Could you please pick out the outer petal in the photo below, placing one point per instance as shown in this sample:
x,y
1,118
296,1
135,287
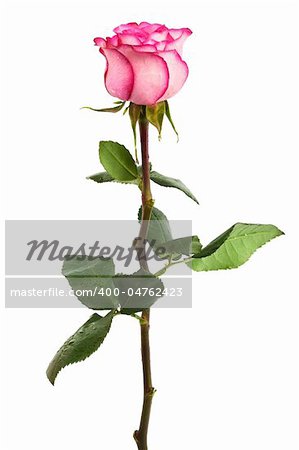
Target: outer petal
x,y
178,73
112,41
149,48
129,39
151,75
179,37
144,24
100,42
119,76
151,42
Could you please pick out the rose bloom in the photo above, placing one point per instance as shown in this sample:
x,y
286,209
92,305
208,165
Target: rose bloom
x,y
144,62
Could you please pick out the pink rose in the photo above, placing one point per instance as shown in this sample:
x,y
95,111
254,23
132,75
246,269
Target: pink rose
x,y
144,62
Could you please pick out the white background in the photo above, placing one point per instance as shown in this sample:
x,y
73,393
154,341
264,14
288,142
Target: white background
x,y
226,370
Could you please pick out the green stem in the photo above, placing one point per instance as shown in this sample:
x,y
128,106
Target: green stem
x,y
170,264
140,435
147,200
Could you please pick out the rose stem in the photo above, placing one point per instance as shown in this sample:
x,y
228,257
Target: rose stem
x,y
140,435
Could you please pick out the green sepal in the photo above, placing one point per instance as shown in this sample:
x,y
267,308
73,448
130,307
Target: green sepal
x,y
168,115
126,110
155,114
85,341
114,109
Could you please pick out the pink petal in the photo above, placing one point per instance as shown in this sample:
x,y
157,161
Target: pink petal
x,y
151,42
178,73
125,26
119,76
139,33
169,38
175,33
151,75
129,39
112,41
100,42
159,35
149,27
179,38
161,29
146,48
161,45
143,24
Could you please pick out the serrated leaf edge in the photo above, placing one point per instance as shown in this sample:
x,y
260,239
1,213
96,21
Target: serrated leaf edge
x,y
279,233
48,372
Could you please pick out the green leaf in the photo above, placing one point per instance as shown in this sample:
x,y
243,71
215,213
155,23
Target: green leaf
x,y
85,341
101,177
118,161
234,247
114,109
168,115
104,177
162,180
155,115
182,246
144,290
158,228
134,113
160,238
90,278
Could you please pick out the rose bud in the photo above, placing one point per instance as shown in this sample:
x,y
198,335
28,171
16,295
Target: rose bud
x,y
144,62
